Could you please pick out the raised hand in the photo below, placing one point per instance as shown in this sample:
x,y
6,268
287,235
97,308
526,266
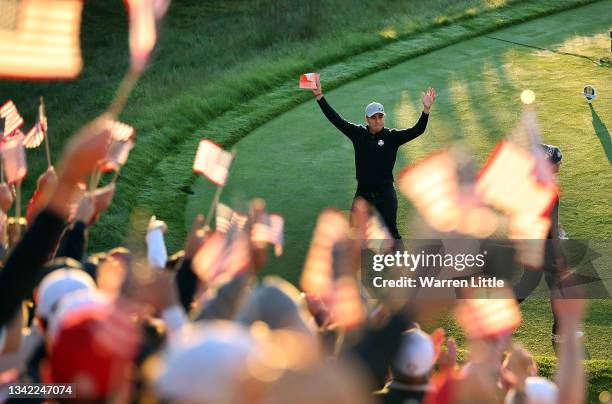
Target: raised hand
x,y
429,98
318,92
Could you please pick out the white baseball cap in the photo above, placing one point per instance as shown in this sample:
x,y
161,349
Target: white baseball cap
x,y
213,354
58,283
538,390
80,299
374,108
416,355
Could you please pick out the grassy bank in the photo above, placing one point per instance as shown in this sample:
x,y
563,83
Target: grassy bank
x,y
217,55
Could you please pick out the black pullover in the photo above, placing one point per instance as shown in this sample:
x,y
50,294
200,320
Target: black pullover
x,y
374,154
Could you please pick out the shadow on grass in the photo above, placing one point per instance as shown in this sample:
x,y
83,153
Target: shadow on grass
x,y
602,132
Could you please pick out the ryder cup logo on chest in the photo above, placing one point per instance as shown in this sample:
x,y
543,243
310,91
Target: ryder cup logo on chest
x,y
381,142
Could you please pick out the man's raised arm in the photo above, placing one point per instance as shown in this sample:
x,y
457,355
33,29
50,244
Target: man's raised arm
x,y
349,129
405,135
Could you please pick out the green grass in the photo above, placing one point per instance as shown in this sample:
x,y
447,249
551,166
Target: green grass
x,y
299,163
225,68
217,55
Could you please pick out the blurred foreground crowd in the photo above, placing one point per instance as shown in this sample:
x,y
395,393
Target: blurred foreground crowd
x,y
200,327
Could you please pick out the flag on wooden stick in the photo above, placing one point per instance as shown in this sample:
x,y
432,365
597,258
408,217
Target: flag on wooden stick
x,y
122,132
227,218
13,158
508,182
39,39
36,135
10,118
117,156
212,161
269,229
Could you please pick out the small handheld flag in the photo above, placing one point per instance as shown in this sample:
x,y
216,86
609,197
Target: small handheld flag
x,y
309,80
212,161
122,132
269,230
39,39
36,135
11,118
13,158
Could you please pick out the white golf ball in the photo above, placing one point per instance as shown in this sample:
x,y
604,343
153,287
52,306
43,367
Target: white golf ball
x,y
528,97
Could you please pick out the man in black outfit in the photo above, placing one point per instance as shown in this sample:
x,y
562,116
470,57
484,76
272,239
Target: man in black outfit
x,y
375,152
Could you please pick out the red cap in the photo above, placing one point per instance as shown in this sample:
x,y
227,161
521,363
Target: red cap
x,y
95,349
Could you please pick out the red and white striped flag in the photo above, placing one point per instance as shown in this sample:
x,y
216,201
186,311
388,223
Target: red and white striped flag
x,y
494,314
122,132
37,134
309,80
227,217
117,156
508,182
221,258
13,158
212,161
39,39
432,186
11,118
269,230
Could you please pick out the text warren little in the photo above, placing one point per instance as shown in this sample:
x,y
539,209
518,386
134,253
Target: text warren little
x,y
432,282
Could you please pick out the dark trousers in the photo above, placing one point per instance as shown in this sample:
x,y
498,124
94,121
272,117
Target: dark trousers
x,y
384,199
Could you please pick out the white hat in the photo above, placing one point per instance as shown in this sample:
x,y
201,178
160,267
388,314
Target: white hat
x,y
416,354
58,283
206,363
81,299
538,390
374,108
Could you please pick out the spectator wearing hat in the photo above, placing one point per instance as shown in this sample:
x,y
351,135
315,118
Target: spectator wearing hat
x,y
375,152
411,369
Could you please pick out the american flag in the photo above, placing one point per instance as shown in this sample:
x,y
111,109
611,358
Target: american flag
x,y
269,230
36,135
432,186
39,39
117,156
13,158
221,258
121,132
11,118
227,217
508,182
489,314
212,161
309,80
